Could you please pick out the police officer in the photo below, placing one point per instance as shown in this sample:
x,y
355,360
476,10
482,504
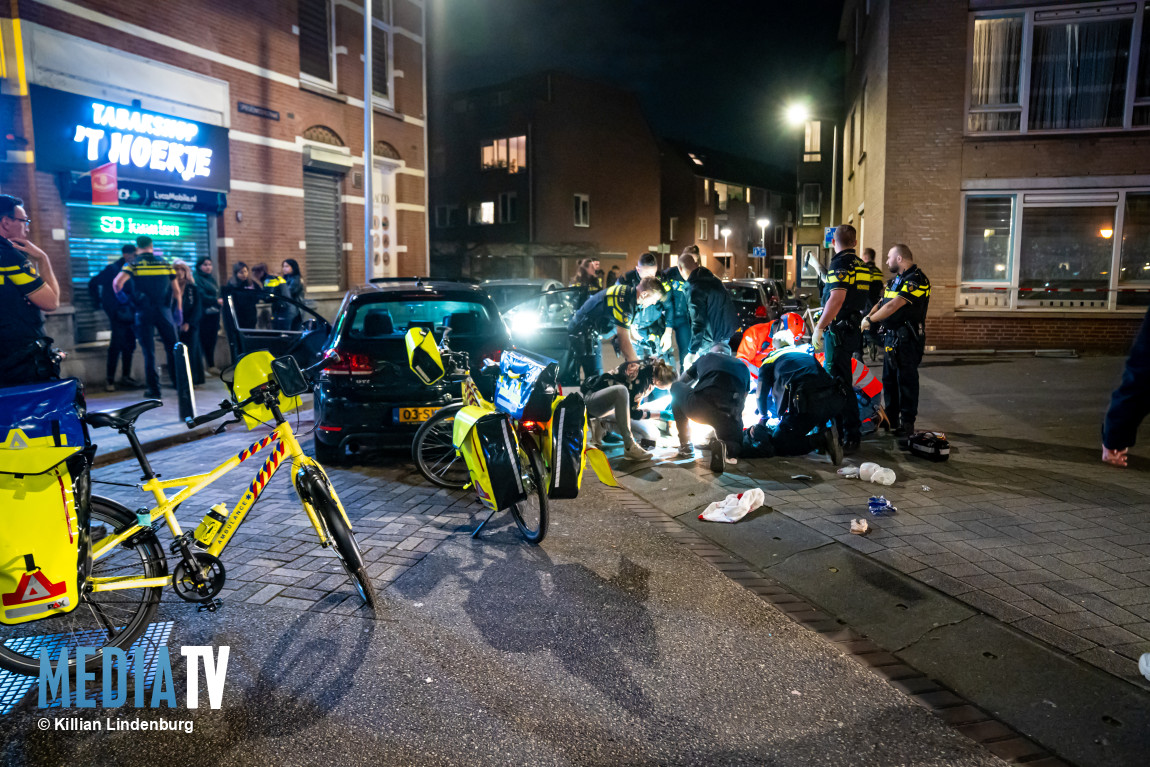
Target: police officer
x,y
679,305
651,331
120,319
27,287
902,314
607,310
844,302
1130,402
803,396
154,292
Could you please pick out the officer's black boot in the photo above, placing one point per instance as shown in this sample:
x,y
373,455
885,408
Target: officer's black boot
x,y
905,432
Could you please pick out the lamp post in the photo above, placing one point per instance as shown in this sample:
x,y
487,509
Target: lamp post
x,y
763,224
726,232
799,114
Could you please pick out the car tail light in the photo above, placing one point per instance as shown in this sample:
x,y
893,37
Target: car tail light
x,y
760,311
348,364
494,355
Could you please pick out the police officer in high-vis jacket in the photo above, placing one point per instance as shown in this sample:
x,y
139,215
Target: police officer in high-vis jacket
x,y
651,330
152,293
902,315
607,310
844,303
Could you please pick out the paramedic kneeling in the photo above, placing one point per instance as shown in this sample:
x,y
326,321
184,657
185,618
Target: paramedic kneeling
x,y
804,396
902,314
712,392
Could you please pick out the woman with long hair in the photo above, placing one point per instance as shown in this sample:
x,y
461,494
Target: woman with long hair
x,y
616,397
285,315
243,301
193,309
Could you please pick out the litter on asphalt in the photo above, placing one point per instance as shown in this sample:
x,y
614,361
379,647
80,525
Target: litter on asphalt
x,y
878,506
859,526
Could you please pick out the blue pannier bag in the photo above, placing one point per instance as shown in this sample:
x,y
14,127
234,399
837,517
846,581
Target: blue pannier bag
x,y
527,384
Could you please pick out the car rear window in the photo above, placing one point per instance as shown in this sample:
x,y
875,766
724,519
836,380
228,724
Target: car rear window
x,y
393,318
509,295
746,294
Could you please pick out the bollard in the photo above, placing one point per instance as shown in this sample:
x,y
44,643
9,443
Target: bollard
x,y
184,392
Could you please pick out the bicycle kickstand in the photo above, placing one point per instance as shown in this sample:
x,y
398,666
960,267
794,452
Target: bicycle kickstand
x,y
475,532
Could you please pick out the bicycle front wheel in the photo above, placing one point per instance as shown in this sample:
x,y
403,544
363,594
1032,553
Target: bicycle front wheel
x,y
530,514
103,618
434,452
346,547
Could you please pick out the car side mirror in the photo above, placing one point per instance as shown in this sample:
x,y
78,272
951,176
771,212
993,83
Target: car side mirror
x,y
423,355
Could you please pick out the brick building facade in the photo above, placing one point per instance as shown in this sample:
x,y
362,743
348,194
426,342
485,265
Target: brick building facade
x,y
705,192
1024,193
530,176
282,82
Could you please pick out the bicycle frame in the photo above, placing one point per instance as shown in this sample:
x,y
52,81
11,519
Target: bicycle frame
x,y
286,447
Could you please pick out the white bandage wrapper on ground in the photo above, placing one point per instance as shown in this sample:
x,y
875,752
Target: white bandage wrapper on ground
x,y
734,507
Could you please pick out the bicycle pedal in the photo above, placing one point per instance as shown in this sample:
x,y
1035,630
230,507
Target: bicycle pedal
x,y
211,606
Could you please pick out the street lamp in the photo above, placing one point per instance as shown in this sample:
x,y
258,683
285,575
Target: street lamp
x,y
799,114
726,232
763,224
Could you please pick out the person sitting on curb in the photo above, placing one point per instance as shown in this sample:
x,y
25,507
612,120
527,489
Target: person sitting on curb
x,y
636,380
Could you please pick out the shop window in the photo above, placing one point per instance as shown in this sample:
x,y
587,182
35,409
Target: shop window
x,y
323,230
315,33
504,153
582,210
1076,76
1065,247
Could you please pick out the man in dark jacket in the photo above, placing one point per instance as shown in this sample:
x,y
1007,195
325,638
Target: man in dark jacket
x,y
1130,402
713,316
679,306
712,392
611,309
120,318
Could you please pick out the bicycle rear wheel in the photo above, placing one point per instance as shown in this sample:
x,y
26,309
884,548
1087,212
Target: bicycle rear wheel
x,y
530,515
103,618
346,547
434,452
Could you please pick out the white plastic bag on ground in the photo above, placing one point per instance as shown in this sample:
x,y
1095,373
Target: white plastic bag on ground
x,y
734,507
883,476
867,470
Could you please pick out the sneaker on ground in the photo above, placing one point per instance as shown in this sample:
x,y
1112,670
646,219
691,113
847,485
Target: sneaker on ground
x,y
130,383
110,386
152,395
635,453
686,451
718,455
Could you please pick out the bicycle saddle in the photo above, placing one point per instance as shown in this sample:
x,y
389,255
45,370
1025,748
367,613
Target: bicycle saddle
x,y
121,418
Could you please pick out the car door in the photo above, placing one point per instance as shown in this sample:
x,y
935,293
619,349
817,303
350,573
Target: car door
x,y
539,324
303,344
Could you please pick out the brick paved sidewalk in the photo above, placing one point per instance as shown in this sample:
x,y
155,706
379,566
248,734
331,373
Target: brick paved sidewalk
x,y
275,557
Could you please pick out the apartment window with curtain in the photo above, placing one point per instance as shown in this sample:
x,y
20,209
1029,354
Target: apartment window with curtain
x,y
1086,249
702,233
812,205
381,52
1060,69
508,154
812,141
316,58
582,210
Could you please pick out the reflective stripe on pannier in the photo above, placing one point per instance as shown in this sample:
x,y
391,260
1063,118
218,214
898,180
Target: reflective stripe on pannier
x,y
490,448
567,446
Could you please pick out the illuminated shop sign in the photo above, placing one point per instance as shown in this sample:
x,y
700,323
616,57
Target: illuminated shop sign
x,y
78,133
122,225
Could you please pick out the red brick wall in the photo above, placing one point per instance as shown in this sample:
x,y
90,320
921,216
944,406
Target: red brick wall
x,y
257,32
1101,334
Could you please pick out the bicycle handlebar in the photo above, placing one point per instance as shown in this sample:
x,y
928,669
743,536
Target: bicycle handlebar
x,y
226,408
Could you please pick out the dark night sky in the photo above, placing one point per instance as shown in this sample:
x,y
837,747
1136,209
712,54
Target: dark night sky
x,y
716,74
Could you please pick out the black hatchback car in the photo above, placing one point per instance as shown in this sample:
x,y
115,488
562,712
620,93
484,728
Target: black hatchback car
x,y
367,394
762,300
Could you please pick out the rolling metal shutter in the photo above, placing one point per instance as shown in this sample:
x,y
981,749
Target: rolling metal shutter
x,y
94,242
323,230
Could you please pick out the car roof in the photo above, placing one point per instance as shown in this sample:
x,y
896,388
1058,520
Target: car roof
x,y
537,281
417,284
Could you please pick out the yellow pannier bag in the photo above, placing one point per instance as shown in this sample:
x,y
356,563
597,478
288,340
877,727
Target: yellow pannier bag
x,y
490,448
40,539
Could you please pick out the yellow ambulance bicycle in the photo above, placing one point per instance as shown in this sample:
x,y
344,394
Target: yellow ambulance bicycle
x,y
129,566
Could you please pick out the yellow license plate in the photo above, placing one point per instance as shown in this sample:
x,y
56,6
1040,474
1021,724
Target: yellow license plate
x,y
415,414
